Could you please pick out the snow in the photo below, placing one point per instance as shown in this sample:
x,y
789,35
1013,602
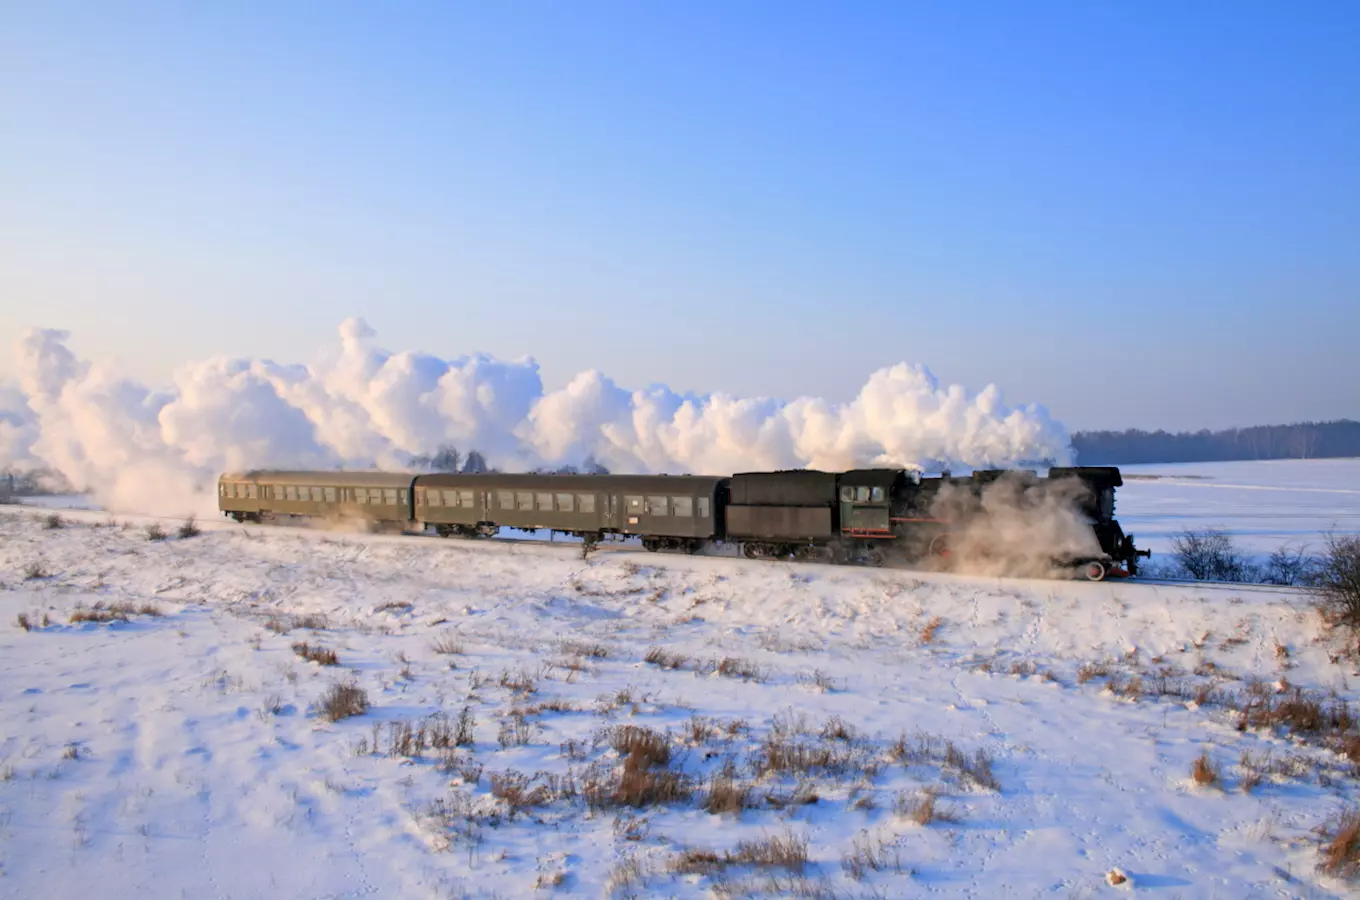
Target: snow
x,y
202,767
1264,504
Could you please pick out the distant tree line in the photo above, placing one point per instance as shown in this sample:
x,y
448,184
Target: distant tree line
x,y
449,459
1302,440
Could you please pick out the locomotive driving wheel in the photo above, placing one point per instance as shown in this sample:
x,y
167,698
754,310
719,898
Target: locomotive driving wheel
x,y
1094,570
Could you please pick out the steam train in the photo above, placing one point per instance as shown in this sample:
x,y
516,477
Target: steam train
x,y
866,516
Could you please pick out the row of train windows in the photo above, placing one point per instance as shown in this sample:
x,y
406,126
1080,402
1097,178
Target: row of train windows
x,y
303,493
545,501
654,505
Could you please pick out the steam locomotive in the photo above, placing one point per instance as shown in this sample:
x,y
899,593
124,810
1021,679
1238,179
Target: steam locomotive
x,y
866,516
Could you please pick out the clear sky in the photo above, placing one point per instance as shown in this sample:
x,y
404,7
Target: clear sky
x,y
1139,214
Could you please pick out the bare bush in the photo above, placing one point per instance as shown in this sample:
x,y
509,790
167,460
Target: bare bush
x,y
1209,556
22,621
465,729
154,532
36,570
515,731
1338,581
1290,567
343,701
52,522
322,656
732,667
188,529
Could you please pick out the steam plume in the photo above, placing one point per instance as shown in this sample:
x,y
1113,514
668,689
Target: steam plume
x,y
361,406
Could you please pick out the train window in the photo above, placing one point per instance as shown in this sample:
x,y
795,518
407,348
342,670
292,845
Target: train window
x,y
317,494
289,492
467,499
658,506
703,507
684,506
330,495
250,491
847,494
585,503
524,499
634,504
505,499
861,494
544,501
877,495
221,490
404,497
360,495
390,496
566,503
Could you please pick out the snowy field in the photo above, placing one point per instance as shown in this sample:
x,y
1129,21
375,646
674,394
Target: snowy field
x,y
1265,505
633,724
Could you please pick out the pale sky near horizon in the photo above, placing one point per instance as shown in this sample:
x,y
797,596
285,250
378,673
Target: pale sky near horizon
x,y
1135,214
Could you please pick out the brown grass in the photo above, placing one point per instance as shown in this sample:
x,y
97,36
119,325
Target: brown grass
x,y
586,649
21,620
787,851
732,667
1341,844
188,529
154,532
1090,670
343,701
51,522
322,656
726,794
101,613
651,747
928,632
36,570
515,731
1203,771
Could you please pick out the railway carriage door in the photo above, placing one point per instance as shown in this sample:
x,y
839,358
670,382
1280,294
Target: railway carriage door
x,y
847,506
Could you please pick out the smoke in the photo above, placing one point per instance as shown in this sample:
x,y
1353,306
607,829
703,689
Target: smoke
x,y
359,406
1016,526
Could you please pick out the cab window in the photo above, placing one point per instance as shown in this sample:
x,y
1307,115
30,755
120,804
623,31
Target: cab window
x,y
861,494
847,494
877,495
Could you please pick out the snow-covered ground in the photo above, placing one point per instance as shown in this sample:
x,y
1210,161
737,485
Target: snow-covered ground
x,y
1265,505
183,753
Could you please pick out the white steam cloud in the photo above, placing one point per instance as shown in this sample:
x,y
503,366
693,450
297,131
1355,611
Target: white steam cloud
x,y
148,451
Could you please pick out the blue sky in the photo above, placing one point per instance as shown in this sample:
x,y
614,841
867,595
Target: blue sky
x,y
1137,214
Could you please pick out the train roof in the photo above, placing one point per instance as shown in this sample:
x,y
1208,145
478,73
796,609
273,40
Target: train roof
x,y
361,478
531,481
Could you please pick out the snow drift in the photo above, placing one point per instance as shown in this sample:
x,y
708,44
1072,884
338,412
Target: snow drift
x,y
361,406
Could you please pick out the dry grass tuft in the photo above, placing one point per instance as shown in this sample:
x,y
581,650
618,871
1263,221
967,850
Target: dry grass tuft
x,y
311,622
928,632
1341,844
869,853
36,570
447,644
587,649
658,656
922,807
154,532
515,731
100,613
1203,771
519,682
318,654
343,701
72,751
22,621
188,529
817,679
726,794
732,667
52,522
650,746
465,729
